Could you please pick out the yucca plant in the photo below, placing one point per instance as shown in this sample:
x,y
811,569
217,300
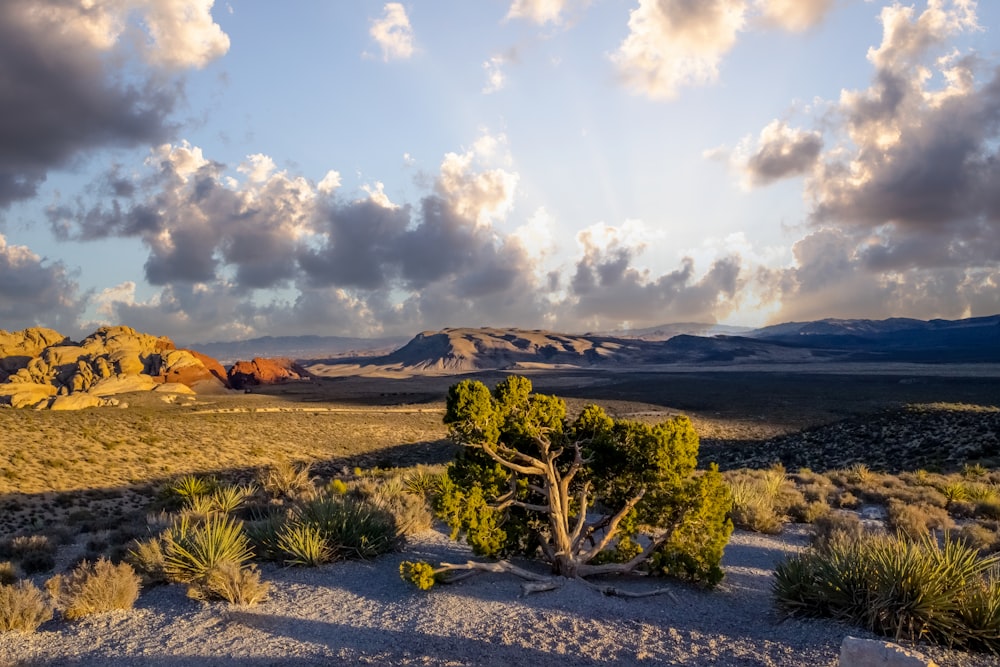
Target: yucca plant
x,y
304,544
355,528
229,498
954,491
189,486
192,549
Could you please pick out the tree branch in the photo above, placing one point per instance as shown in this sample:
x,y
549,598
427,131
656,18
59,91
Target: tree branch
x,y
510,465
613,526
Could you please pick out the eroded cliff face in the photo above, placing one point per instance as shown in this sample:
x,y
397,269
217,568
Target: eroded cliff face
x,y
39,368
247,374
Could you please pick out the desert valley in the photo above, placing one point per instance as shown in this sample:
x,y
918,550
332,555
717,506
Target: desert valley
x,y
850,417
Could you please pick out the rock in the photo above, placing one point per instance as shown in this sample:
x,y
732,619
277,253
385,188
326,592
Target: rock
x,y
192,369
855,652
173,388
76,402
121,384
17,348
26,394
245,374
213,366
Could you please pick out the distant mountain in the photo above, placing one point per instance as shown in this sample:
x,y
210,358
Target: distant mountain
x,y
974,339
296,347
668,331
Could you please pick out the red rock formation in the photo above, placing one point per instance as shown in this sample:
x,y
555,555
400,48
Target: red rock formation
x,y
213,366
245,374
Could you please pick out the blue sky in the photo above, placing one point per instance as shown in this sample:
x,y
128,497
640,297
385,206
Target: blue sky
x,y
226,170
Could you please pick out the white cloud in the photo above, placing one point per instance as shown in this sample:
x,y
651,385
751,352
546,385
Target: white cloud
x,y
495,77
677,43
538,11
486,195
393,33
795,15
182,32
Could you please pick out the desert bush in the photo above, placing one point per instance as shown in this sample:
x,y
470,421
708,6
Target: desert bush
x,y
988,509
94,588
419,574
228,498
233,583
353,528
8,573
34,553
186,488
916,590
147,557
22,607
977,537
754,506
263,532
410,510
808,512
287,480
192,550
974,471
915,521
835,528
303,544
337,487
527,478
423,481
847,500
979,492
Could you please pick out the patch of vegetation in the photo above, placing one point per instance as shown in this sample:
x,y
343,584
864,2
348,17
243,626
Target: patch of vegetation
x,y
22,607
900,588
592,496
94,588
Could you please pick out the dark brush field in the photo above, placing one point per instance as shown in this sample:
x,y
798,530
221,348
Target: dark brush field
x,y
99,469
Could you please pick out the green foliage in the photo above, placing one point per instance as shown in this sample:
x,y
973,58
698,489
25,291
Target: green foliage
x,y
230,497
518,485
192,550
304,544
22,607
190,486
94,588
916,590
420,574
353,528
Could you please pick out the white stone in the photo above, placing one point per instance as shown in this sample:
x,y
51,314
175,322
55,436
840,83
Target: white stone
x,y
855,652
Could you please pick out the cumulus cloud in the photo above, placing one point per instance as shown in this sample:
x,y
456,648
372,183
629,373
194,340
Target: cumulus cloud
x,y
676,43
495,77
393,32
53,57
905,211
795,15
673,44
34,292
779,152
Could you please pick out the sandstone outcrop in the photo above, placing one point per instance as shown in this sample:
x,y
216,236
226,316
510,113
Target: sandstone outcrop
x,y
38,366
246,374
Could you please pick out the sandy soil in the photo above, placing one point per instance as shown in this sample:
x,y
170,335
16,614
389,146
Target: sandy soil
x,y
363,613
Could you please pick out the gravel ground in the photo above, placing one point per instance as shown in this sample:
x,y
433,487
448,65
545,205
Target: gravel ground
x,y
363,613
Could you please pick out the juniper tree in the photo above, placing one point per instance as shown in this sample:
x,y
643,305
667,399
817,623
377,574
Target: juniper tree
x,y
591,496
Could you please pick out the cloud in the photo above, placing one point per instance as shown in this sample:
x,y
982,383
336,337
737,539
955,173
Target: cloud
x,y
540,11
675,43
54,57
34,292
495,77
393,33
795,15
779,152
905,213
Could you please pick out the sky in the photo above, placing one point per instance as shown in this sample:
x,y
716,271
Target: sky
x,y
225,170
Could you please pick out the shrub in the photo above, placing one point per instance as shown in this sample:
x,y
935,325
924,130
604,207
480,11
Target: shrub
x,y
917,521
809,512
528,481
287,480
420,574
410,510
187,487
303,544
753,506
192,550
836,528
8,573
977,537
354,528
147,557
94,588
898,588
229,498
34,553
22,607
236,585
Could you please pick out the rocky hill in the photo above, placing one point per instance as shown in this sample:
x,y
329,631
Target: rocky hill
x,y
41,368
258,371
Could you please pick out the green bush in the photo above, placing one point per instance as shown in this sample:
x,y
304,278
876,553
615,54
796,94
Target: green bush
x,y
22,607
303,544
94,588
915,590
527,479
353,528
192,550
420,574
